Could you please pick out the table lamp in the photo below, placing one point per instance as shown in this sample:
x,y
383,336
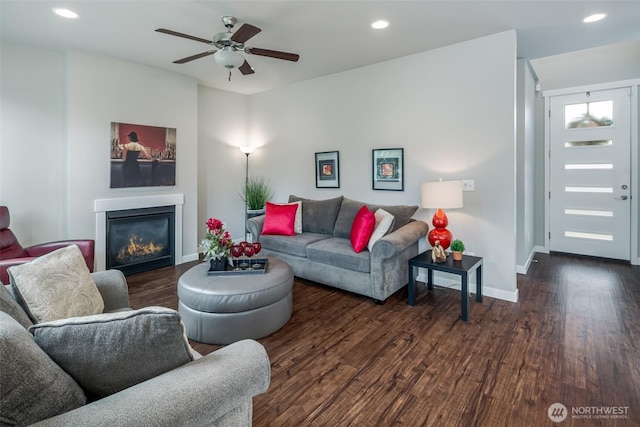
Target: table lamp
x,y
441,195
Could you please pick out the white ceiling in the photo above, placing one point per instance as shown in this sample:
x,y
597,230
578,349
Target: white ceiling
x,y
329,36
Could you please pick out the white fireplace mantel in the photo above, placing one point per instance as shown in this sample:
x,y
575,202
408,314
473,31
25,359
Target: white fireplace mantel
x,y
102,206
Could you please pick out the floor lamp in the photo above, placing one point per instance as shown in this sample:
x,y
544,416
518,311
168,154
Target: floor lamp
x,y
246,151
441,195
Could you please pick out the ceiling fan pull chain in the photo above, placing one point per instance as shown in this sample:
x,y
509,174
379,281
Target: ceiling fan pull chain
x,y
229,75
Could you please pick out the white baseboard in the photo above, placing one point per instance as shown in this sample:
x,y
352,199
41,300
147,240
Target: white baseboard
x,y
541,249
487,291
522,269
187,258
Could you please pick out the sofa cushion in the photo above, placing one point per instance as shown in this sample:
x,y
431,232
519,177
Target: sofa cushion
x,y
279,219
401,213
106,353
384,224
9,305
32,386
292,245
339,253
319,216
56,286
362,228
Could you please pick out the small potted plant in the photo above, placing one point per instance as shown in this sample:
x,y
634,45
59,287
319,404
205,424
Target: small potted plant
x,y
457,247
255,194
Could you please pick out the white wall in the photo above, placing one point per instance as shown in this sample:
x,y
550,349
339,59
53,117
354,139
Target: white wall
x,y
525,196
57,109
451,109
222,128
32,142
604,64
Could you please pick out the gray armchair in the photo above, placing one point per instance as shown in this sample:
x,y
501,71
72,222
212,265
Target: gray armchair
x,y
214,390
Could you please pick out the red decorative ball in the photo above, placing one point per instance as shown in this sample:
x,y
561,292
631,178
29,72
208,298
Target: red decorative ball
x,y
443,235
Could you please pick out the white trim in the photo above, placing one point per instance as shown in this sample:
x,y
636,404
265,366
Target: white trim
x,y
635,192
591,88
547,171
487,291
522,269
102,206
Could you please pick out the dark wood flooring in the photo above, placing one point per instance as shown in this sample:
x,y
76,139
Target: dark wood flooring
x,y
572,338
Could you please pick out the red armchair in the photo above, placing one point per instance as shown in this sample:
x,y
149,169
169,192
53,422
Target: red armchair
x,y
12,253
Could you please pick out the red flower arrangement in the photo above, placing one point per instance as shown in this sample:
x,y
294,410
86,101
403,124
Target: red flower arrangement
x,y
217,242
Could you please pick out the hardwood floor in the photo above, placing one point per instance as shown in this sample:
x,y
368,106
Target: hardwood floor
x,y
573,338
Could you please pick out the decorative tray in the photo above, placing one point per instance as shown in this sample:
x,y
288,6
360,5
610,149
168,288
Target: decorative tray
x,y
243,266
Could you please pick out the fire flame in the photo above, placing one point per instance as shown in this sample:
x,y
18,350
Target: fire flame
x,y
137,248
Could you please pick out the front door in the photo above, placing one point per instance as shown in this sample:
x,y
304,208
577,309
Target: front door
x,y
590,173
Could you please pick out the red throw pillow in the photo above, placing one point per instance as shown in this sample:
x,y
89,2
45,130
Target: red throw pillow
x,y
362,228
279,219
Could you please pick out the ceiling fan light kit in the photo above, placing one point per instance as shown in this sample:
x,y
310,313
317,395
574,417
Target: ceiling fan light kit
x,y
228,58
230,45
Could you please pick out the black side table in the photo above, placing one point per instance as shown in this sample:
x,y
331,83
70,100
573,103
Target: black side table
x,y
462,268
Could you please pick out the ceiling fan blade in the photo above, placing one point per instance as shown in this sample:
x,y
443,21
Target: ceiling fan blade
x,y
244,33
186,36
192,57
246,69
273,54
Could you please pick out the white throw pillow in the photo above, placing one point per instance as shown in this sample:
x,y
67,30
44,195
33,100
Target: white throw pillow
x,y
384,223
55,286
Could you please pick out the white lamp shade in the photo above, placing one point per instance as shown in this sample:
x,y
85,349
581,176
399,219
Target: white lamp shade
x,y
442,195
228,58
247,150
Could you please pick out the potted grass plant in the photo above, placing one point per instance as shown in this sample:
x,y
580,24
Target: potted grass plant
x,y
255,194
457,247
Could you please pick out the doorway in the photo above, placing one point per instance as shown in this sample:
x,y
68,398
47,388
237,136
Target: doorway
x,y
590,173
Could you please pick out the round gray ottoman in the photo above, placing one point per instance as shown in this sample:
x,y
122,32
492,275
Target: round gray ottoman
x,y
222,309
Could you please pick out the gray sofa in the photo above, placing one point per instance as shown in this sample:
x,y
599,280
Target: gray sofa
x,y
323,252
214,390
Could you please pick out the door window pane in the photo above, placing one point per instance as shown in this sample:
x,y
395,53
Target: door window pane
x,y
588,114
588,143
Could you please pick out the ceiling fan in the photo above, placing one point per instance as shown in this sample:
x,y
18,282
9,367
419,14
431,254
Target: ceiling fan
x,y
230,45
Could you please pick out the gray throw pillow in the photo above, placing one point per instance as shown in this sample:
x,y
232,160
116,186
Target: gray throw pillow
x,y
401,213
9,305
106,353
56,286
32,386
346,215
318,216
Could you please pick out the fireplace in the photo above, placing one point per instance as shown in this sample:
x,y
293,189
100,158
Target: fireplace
x,y
140,240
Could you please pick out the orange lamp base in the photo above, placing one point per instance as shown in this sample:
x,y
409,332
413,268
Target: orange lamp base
x,y
440,232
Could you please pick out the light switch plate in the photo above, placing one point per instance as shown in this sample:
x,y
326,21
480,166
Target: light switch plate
x,y
468,185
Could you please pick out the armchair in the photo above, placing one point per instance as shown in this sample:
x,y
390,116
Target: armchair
x,y
212,390
12,253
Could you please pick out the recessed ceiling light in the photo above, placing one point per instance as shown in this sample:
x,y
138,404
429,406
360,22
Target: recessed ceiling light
x,y
378,25
65,13
595,17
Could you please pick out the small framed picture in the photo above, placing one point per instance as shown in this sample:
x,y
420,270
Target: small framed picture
x,y
388,169
328,169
